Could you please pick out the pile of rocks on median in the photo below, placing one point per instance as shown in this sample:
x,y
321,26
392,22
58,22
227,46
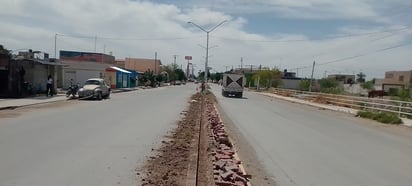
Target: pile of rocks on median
x,y
226,168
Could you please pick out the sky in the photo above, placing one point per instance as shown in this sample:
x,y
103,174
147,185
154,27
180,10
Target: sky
x,y
342,37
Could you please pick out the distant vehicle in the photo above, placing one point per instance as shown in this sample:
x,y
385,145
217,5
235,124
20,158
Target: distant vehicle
x,y
232,85
178,82
94,88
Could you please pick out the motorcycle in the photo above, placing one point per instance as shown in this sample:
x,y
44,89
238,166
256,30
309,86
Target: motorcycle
x,y
72,91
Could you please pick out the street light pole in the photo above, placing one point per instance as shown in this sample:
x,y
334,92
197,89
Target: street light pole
x,y
207,42
207,55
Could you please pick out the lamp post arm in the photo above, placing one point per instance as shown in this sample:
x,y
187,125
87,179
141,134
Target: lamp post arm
x,y
197,26
217,25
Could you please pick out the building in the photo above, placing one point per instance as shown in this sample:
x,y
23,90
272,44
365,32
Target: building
x,y
142,65
80,66
344,78
289,80
120,78
120,63
5,58
397,80
27,74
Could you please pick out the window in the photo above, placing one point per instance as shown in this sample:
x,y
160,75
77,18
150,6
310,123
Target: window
x,y
401,78
389,75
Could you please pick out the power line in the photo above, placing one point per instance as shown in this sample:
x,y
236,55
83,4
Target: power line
x,y
119,38
364,54
355,56
318,39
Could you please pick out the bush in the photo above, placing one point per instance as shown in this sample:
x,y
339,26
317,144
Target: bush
x,y
383,117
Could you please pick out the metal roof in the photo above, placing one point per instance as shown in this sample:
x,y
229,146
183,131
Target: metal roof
x,y
121,70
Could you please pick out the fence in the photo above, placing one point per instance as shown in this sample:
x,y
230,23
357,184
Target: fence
x,y
402,108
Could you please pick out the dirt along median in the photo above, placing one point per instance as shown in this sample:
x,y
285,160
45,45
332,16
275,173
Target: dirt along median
x,y
182,161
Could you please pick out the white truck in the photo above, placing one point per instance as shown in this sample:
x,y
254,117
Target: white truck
x,y
232,85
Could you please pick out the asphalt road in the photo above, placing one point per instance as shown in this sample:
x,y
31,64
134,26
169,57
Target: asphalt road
x,y
90,143
302,145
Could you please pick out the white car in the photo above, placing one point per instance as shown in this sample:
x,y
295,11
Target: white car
x,y
94,88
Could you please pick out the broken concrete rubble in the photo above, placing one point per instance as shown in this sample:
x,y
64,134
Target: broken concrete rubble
x,y
226,167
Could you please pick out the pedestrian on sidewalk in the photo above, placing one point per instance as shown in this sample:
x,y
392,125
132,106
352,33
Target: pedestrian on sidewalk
x,y
49,88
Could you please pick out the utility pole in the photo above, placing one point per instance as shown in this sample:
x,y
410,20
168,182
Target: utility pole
x,y
241,64
95,42
55,45
311,77
155,68
174,63
226,68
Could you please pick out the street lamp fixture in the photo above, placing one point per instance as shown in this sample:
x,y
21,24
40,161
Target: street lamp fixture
x,y
207,42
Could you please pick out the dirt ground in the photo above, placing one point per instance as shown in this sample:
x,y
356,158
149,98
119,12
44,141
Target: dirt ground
x,y
175,162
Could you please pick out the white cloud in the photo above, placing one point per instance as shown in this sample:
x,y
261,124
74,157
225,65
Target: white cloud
x,y
163,28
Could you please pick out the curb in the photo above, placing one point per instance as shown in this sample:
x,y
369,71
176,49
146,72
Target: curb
x,y
405,121
15,107
321,106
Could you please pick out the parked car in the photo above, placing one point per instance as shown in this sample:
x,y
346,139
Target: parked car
x,y
178,82
94,88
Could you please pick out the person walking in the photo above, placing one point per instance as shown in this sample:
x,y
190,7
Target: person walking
x,y
49,89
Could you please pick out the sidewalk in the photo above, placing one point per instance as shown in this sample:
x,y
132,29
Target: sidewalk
x,y
407,122
11,103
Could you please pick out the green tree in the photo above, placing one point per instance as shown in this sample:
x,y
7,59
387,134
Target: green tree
x,y
330,86
216,76
369,85
304,84
148,79
202,75
403,94
360,77
170,71
270,78
180,75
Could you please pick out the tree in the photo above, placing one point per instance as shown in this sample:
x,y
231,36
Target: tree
x,y
170,71
180,75
216,76
4,52
202,75
148,79
369,85
360,77
271,78
304,85
330,86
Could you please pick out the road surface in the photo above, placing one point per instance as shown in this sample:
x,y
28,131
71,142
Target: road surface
x,y
90,143
302,145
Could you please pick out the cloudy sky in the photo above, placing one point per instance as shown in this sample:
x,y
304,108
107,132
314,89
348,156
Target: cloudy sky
x,y
346,36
